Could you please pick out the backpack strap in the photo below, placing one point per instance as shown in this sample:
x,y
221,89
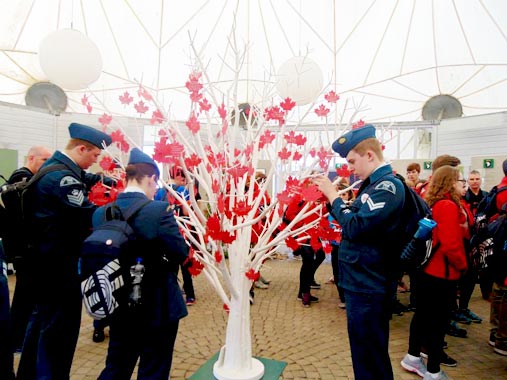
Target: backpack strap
x,y
45,170
113,211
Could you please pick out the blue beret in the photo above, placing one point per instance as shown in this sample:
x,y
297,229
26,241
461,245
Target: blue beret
x,y
92,135
349,140
139,157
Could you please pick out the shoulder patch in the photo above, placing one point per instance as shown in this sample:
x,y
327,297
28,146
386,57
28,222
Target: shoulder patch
x,y
68,181
386,185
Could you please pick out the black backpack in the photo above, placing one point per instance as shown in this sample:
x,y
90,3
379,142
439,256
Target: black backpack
x,y
107,256
481,241
413,253
16,211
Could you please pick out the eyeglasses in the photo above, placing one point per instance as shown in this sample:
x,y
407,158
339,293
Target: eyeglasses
x,y
463,181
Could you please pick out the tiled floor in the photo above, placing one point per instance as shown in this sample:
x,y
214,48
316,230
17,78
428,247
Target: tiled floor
x,y
312,341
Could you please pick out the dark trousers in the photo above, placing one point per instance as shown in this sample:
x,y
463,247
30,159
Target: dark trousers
x,y
435,300
466,286
334,265
368,327
311,262
23,302
188,284
131,336
51,338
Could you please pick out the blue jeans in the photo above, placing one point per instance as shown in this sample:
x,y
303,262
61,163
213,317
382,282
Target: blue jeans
x,y
368,327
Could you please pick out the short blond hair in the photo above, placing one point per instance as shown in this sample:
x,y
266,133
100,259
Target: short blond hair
x,y
370,144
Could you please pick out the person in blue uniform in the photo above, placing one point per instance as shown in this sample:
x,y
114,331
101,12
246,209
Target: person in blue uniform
x,y
62,217
22,299
6,356
148,331
367,269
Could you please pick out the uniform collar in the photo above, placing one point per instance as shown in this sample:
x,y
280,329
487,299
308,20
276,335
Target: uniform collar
x,y
380,171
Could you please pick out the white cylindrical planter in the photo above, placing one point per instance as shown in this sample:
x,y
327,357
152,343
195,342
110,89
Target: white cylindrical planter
x,y
255,372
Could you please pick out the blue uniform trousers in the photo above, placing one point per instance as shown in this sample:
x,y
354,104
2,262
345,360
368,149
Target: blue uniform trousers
x,y
368,327
132,337
51,338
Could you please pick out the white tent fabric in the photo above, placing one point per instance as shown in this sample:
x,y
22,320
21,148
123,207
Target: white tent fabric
x,y
385,57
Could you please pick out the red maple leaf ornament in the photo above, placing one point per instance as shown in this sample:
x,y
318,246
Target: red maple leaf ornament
x,y
156,117
84,100
193,84
107,163
252,275
192,161
119,138
204,105
287,104
297,156
126,99
332,97
89,108
194,266
141,107
321,111
343,171
143,93
222,111
193,124
357,125
266,138
105,119
311,193
284,154
218,257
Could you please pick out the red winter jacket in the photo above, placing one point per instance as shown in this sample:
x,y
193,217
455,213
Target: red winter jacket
x,y
449,260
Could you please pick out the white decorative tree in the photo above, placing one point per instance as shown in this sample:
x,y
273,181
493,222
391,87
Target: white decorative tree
x,y
238,222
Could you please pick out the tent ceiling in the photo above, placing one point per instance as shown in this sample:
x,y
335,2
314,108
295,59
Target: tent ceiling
x,y
387,57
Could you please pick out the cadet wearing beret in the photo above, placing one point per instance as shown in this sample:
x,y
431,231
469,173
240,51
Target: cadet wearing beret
x,y
366,260
62,219
149,332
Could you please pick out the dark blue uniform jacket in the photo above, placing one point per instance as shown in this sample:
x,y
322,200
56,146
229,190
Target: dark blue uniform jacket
x,y
367,258
63,217
163,250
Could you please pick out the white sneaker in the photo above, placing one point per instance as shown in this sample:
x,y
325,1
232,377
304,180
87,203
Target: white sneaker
x,y
440,376
415,366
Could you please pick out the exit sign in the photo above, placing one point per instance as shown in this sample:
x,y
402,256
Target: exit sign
x,y
488,163
427,165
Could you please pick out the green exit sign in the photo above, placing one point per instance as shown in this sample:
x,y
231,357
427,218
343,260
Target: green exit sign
x,y
427,165
488,163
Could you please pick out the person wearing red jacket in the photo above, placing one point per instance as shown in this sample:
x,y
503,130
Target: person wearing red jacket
x,y
498,317
437,281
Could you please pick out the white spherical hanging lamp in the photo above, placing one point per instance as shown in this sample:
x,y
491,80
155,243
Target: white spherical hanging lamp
x,y
300,79
70,59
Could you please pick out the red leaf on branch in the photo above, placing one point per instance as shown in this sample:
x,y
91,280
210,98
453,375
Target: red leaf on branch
x,y
287,104
222,111
192,161
241,208
238,172
332,97
140,107
292,138
252,275
195,97
156,117
343,171
193,124
275,113
119,138
357,125
107,163
284,154
266,138
195,268
292,243
297,156
321,111
143,93
84,100
311,193
218,257
204,105
168,153
221,204
126,98
105,119
89,108
193,84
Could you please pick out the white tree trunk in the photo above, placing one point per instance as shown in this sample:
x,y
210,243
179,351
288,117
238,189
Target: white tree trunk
x,y
235,361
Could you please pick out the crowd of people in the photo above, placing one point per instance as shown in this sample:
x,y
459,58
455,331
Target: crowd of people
x,y
367,222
